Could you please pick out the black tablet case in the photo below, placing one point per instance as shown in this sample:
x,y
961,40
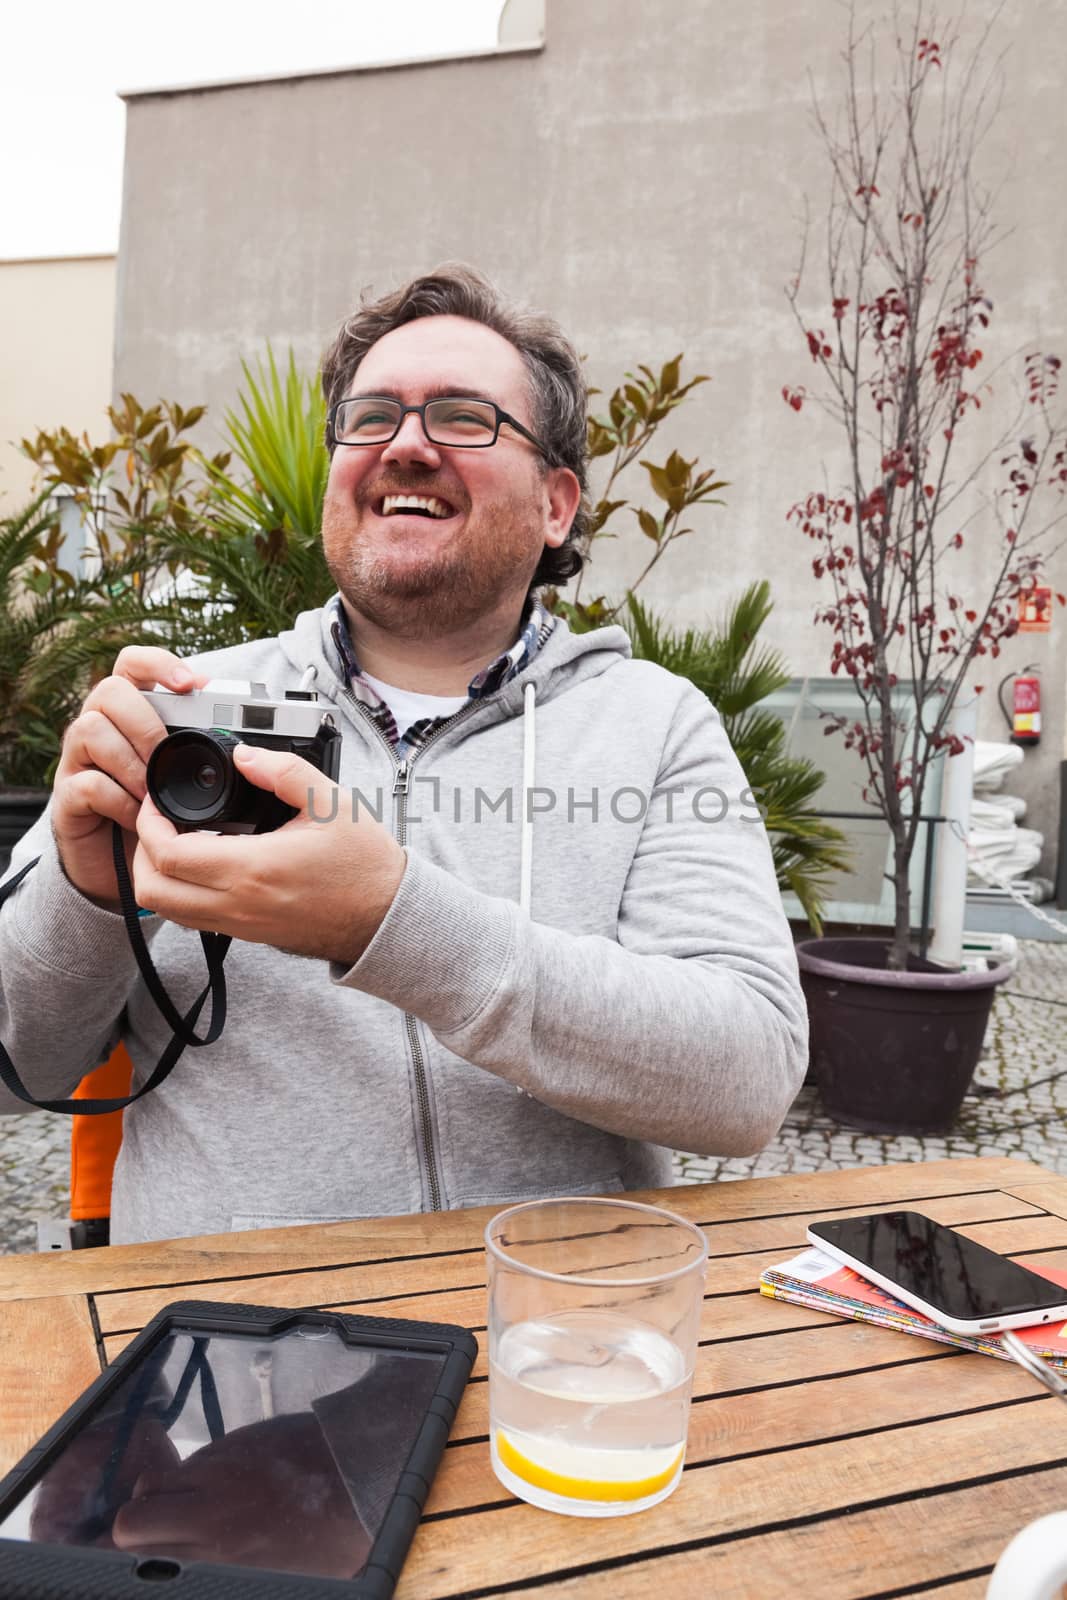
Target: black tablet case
x,y
31,1571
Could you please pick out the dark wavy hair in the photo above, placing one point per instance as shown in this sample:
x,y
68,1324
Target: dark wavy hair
x,y
558,395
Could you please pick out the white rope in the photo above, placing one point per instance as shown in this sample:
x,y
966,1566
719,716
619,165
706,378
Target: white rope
x,y
986,873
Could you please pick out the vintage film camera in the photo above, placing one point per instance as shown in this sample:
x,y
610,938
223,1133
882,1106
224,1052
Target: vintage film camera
x,y
191,773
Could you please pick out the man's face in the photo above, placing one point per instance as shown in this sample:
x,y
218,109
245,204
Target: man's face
x,y
492,510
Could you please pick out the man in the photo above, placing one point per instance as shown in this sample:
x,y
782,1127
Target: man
x,y
551,960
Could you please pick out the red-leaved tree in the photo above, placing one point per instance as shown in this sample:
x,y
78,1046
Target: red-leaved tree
x,y
899,357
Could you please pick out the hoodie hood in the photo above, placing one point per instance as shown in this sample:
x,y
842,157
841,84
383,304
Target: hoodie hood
x,y
565,658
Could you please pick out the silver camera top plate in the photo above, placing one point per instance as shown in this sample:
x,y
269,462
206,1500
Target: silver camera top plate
x,y
219,706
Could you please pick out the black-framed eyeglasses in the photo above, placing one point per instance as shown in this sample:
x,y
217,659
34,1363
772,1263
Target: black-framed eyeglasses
x,y
459,423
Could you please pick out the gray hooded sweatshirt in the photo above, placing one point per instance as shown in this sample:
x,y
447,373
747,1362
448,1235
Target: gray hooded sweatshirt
x,y
586,965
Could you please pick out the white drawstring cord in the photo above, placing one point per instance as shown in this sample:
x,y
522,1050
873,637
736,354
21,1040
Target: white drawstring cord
x,y
528,754
526,856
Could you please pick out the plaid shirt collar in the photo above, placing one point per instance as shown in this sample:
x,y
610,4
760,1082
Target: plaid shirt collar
x,y
536,629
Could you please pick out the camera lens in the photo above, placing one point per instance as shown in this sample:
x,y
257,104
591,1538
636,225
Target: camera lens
x,y
192,778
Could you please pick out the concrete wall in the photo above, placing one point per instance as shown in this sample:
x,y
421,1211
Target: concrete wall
x,y
644,178
57,323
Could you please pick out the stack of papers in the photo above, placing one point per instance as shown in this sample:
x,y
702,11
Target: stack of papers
x,y
817,1281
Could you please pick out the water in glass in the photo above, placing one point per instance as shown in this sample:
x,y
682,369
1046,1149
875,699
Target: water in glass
x,y
589,1411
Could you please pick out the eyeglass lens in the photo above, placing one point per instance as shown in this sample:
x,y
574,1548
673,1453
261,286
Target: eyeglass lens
x,y
454,422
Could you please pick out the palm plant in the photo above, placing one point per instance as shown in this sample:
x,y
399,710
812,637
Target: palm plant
x,y
727,664
279,438
26,619
55,631
251,547
256,554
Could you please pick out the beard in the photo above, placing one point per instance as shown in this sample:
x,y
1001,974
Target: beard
x,y
423,593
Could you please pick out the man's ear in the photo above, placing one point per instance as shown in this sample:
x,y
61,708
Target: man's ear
x,y
563,493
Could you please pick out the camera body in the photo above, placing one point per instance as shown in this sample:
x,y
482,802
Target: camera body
x,y
191,773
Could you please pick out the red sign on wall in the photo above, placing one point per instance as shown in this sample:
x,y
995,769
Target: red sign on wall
x,y
1035,610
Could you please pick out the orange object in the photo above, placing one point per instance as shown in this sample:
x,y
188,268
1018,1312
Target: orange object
x,y
1026,710
94,1141
1035,609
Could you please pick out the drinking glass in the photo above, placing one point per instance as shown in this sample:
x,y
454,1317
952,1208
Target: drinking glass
x,y
594,1310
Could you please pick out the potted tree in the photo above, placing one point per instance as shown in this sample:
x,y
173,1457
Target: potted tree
x,y
939,526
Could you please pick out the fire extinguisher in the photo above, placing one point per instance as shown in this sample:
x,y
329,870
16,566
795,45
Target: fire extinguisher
x,y
1025,717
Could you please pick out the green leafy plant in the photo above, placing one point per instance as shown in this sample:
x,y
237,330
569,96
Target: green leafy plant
x,y
729,665
256,550
196,553
190,552
146,479
279,438
53,632
635,411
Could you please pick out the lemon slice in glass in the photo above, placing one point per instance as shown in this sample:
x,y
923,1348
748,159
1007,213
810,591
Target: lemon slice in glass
x,y
578,1473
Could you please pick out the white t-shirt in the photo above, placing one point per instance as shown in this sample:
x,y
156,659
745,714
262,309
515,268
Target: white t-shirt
x,y
408,707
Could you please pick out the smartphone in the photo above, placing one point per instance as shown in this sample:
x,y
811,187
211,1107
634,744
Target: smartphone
x,y
239,1451
953,1281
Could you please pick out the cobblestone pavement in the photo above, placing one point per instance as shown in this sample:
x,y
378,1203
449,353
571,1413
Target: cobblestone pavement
x,y
34,1176
1017,1107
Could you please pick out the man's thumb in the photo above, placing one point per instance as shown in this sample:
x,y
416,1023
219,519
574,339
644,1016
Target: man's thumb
x,y
292,779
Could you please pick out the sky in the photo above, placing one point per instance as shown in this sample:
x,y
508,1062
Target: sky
x,y
62,66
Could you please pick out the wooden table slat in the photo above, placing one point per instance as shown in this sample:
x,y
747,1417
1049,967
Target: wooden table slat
x,y
733,1317
794,1357
486,1548
179,1261
868,1552
733,1273
1050,1195
774,1419
48,1355
962,1589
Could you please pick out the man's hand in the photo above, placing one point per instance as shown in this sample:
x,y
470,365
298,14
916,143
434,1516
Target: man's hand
x,y
101,773
318,886
266,1495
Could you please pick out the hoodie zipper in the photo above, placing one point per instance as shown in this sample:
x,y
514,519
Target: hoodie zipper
x,y
401,787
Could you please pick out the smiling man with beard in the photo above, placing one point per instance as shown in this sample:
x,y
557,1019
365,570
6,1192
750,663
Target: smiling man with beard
x,y
546,940
433,545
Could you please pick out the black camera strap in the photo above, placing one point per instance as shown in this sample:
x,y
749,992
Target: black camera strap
x,y
215,946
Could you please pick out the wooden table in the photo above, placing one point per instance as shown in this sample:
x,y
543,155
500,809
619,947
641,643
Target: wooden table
x,y
825,1457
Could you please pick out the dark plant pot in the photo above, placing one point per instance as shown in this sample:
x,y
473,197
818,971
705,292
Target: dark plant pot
x,y
19,810
893,1052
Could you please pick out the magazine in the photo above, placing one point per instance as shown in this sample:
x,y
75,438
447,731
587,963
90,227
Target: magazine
x,y
815,1280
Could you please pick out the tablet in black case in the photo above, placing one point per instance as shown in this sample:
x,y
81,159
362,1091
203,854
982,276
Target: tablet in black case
x,y
237,1452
